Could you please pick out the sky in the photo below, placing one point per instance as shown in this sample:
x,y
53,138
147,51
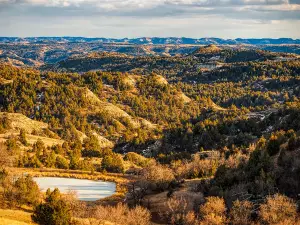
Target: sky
x,y
151,18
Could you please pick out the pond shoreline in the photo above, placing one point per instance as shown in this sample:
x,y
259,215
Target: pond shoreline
x,y
120,180
85,190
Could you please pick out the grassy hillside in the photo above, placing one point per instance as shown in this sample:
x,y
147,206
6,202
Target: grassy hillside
x,y
15,217
34,130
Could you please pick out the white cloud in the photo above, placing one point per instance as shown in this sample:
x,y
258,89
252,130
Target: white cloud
x,y
149,17
118,4
285,7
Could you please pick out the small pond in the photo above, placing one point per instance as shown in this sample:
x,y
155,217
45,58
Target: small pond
x,y
86,190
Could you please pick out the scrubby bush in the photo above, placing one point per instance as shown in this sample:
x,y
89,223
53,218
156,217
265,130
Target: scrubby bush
x,y
22,191
6,158
91,143
113,163
34,162
54,211
197,168
157,177
49,159
61,163
12,145
278,209
240,213
85,165
136,159
4,124
213,212
273,146
38,147
121,214
276,139
27,191
177,211
293,143
22,137
58,149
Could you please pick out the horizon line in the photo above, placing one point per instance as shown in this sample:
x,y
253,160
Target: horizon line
x,y
139,37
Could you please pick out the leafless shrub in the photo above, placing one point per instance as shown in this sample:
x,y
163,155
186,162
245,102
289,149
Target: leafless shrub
x,y
213,212
177,209
157,176
278,209
237,192
121,214
180,209
235,160
197,168
77,207
137,191
240,213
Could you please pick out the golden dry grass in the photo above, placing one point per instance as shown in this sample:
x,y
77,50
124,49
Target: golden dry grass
x,y
184,98
103,142
113,111
90,221
107,107
19,121
161,80
146,123
4,221
19,217
216,107
208,49
4,81
31,139
15,217
130,80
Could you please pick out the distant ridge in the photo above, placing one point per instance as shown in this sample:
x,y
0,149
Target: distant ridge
x,y
207,49
155,40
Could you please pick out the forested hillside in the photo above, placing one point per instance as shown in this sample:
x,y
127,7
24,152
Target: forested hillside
x,y
209,137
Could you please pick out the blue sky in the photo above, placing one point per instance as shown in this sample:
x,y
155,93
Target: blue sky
x,y
148,18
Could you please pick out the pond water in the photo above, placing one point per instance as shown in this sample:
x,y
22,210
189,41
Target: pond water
x,y
86,190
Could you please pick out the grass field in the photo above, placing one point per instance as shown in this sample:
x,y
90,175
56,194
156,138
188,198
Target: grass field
x,y
19,217
15,217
